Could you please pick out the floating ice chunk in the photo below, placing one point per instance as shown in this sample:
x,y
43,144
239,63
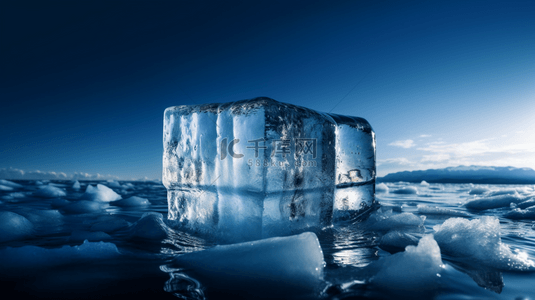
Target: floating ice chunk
x,y
478,190
76,185
414,269
424,183
150,226
521,214
14,197
424,209
82,207
504,192
5,188
14,226
489,202
269,265
100,193
396,241
386,221
36,257
381,188
525,204
132,201
113,184
479,240
10,184
128,186
47,219
50,191
92,236
408,190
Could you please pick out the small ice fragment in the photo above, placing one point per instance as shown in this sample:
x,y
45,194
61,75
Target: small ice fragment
x,y
128,186
10,184
381,188
386,221
47,218
479,241
292,262
424,183
13,197
150,226
132,201
396,241
414,269
113,184
76,185
525,204
522,214
100,193
489,202
50,191
408,190
5,188
82,206
429,210
478,190
14,226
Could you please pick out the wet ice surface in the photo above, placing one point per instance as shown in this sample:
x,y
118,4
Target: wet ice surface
x,y
89,240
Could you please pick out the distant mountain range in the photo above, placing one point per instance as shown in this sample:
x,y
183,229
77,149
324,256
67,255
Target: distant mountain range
x,y
466,174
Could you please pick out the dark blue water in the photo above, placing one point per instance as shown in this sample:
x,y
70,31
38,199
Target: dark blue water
x,y
64,244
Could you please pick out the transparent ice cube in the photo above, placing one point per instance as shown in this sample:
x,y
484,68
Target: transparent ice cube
x,y
258,168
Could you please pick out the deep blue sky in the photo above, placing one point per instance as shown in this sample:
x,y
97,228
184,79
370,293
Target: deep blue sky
x,y
84,84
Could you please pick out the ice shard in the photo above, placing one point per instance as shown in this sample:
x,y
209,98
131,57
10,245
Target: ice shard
x,y
259,168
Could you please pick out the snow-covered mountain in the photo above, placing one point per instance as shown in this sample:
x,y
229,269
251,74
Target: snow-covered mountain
x,y
466,174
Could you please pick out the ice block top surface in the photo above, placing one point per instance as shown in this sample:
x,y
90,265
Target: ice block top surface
x,y
248,106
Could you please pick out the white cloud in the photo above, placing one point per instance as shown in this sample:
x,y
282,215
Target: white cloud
x,y
425,135
403,144
478,148
12,173
396,161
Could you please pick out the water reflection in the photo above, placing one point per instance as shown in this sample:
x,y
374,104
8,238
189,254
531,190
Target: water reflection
x,y
182,285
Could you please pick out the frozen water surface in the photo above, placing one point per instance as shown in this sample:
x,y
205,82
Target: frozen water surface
x,y
412,247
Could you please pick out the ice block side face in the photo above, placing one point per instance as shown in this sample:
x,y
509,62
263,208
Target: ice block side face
x,y
299,176
355,167
259,168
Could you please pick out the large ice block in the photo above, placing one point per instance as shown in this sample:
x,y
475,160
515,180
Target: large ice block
x,y
258,168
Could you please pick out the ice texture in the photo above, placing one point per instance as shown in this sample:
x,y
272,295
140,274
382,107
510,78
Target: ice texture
x,y
430,210
130,202
414,269
381,188
258,168
14,227
479,241
11,184
294,262
387,220
408,190
494,201
100,193
76,185
50,191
